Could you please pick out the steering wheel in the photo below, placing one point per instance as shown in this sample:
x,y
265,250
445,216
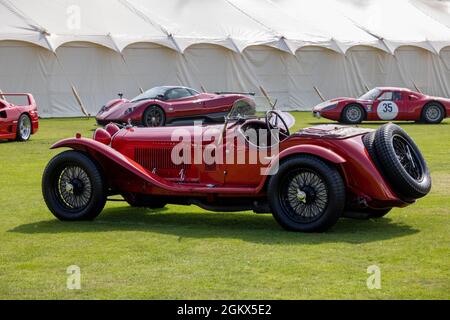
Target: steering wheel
x,y
272,113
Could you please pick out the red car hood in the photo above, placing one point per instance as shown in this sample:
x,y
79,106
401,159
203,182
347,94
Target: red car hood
x,y
115,109
162,134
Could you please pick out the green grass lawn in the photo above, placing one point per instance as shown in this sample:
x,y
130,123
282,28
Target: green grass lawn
x,y
188,253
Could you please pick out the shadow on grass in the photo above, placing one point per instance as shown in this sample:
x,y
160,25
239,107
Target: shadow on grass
x,y
245,226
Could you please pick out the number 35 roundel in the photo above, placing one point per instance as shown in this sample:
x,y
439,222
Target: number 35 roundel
x,y
387,110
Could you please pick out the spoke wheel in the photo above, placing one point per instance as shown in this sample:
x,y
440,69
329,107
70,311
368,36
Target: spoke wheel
x,y
74,188
304,195
407,157
400,161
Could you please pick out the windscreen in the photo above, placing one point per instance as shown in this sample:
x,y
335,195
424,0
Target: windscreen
x,y
371,95
150,94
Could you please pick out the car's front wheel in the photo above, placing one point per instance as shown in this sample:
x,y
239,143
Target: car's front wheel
x,y
73,187
353,114
154,117
307,194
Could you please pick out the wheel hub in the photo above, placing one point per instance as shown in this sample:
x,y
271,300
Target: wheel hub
x,y
301,196
354,114
304,195
433,113
310,194
74,188
69,187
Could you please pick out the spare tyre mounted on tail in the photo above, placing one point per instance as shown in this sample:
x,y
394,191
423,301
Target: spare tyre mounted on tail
x,y
397,156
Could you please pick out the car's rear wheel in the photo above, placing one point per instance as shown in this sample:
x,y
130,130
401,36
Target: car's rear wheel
x,y
432,113
144,201
353,114
24,128
306,194
399,159
73,187
154,117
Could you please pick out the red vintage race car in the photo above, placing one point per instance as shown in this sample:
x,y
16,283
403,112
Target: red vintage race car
x,y
307,180
165,105
385,103
18,121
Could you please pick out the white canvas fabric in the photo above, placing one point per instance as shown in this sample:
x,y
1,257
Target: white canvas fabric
x,y
75,55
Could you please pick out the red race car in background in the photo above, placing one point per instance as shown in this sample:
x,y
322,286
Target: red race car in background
x,y
20,120
165,105
385,103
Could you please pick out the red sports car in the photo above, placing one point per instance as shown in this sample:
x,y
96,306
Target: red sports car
x,y
165,105
307,180
385,103
18,121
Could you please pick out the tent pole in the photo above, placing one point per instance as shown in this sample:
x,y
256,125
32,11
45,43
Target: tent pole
x,y
415,86
128,67
318,93
365,86
264,92
74,91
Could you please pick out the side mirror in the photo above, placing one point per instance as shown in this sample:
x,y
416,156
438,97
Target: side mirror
x,y
120,94
160,97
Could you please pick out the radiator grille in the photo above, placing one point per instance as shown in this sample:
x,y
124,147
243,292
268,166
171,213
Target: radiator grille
x,y
159,158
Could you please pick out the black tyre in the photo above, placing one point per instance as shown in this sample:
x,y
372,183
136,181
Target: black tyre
x,y
24,128
144,201
353,114
401,162
369,140
306,194
432,113
73,187
154,117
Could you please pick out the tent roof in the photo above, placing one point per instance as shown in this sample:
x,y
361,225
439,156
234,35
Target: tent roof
x,y
235,24
398,23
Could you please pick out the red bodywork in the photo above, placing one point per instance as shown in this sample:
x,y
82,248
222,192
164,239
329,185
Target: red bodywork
x,y
137,160
409,106
10,114
203,106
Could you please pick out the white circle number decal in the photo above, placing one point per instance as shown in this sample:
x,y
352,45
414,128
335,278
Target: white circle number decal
x,y
387,110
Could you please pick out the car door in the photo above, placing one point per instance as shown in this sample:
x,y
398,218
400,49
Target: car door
x,y
246,162
389,106
183,102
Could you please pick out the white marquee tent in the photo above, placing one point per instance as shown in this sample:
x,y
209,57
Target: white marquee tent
x,y
74,55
